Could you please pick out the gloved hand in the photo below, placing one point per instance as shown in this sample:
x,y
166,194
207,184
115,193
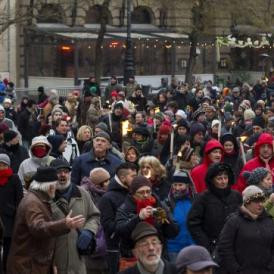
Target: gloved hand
x,y
86,243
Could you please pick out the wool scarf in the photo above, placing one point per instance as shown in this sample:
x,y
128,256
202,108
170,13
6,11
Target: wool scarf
x,y
4,176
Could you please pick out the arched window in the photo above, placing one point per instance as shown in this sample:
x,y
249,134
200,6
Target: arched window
x,y
94,13
142,15
50,13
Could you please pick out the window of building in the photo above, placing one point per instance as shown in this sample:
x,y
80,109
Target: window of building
x,y
94,14
142,15
50,13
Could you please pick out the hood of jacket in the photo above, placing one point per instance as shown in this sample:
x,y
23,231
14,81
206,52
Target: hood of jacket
x,y
211,145
265,138
40,140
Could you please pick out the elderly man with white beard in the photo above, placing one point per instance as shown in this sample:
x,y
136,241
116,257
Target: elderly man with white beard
x,y
71,248
148,250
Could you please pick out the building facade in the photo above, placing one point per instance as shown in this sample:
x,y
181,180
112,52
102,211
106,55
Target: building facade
x,y
54,38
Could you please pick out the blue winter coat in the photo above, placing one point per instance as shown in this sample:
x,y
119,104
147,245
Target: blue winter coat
x,y
83,164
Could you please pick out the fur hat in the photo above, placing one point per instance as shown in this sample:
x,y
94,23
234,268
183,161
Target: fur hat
x,y
256,176
138,182
252,193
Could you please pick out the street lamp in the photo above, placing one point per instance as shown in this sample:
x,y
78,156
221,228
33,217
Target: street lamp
x,y
129,70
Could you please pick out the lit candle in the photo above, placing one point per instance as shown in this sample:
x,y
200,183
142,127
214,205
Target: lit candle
x,y
171,142
110,121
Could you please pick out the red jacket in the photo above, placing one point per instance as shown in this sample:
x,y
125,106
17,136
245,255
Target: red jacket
x,y
198,173
265,138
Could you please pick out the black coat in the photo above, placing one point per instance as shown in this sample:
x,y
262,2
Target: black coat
x,y
161,189
127,219
17,155
168,269
108,206
207,216
10,196
246,246
26,123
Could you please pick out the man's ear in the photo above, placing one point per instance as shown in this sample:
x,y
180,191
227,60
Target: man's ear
x,y
135,253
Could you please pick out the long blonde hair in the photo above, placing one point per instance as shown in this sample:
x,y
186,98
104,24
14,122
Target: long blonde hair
x,y
158,168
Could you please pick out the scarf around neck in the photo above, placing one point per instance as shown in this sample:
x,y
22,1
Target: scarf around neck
x,y
159,270
140,204
4,176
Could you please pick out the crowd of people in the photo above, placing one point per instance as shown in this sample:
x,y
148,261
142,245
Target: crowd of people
x,y
116,181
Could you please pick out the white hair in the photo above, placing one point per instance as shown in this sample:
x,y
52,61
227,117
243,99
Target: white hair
x,y
43,187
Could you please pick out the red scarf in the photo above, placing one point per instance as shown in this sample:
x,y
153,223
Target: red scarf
x,y
4,176
140,204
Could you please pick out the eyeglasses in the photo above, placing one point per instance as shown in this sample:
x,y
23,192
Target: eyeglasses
x,y
147,244
143,192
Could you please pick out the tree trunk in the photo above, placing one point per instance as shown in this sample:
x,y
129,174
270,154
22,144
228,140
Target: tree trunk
x,y
191,59
99,60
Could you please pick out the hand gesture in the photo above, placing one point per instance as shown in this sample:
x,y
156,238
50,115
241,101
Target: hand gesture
x,y
146,212
74,222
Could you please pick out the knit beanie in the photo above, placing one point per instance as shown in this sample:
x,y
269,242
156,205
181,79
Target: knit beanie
x,y
256,176
252,193
181,176
249,114
160,116
164,129
118,105
259,121
4,158
138,182
181,113
215,123
197,127
183,123
9,135
103,134
103,126
99,175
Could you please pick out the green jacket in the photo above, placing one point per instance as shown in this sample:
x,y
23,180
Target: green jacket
x,y
66,257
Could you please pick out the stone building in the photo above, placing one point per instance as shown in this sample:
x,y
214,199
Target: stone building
x,y
53,37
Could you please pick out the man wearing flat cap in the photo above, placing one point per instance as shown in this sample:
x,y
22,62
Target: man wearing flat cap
x,y
99,156
148,250
71,248
34,232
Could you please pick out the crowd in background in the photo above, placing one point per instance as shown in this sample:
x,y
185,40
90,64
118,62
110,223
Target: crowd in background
x,y
115,180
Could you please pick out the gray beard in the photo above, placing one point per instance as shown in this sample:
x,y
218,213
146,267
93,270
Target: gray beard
x,y
63,186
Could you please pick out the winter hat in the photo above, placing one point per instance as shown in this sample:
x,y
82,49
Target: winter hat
x,y
99,175
57,109
228,107
114,93
118,105
60,163
103,134
164,129
228,116
214,123
186,153
183,123
102,126
256,176
2,108
45,175
7,100
9,135
197,113
4,158
245,105
56,141
160,116
259,121
181,176
142,230
195,258
206,99
142,131
138,182
217,168
230,137
181,113
3,127
252,193
197,127
249,114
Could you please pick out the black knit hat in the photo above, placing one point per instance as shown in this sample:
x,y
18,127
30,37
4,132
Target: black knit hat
x,y
9,135
183,123
138,182
45,175
256,176
60,163
217,168
259,121
142,230
181,176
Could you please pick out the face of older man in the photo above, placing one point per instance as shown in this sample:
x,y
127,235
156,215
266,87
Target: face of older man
x,y
100,145
148,251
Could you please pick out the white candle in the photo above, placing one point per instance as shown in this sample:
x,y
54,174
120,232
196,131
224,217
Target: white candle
x,y
154,124
110,121
171,142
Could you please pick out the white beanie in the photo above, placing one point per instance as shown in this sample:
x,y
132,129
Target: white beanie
x,y
251,193
214,123
181,113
